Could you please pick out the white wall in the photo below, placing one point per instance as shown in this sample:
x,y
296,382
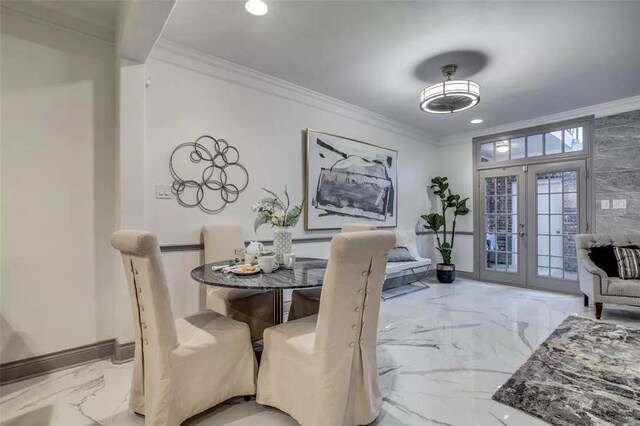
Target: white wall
x,y
456,162
57,135
265,118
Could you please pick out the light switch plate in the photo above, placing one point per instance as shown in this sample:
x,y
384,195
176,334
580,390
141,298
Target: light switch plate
x,y
604,205
620,204
163,190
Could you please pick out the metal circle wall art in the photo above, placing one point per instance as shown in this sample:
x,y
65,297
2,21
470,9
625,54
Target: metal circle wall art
x,y
203,171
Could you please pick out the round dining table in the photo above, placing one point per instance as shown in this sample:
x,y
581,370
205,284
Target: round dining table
x,y
307,272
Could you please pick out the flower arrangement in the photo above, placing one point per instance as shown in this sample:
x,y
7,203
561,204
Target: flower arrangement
x,y
276,211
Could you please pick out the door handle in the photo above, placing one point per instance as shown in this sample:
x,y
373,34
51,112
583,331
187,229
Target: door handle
x,y
522,232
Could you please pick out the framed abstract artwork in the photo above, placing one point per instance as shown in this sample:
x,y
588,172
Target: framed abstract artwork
x,y
349,181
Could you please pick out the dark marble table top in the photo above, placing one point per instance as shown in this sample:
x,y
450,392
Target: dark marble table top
x,y
308,272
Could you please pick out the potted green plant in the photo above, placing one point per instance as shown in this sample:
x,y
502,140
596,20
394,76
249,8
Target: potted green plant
x,y
445,271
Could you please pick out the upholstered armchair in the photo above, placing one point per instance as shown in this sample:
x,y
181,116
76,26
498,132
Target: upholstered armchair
x,y
306,302
596,286
323,370
253,307
181,367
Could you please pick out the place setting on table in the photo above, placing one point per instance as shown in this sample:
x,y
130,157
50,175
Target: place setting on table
x,y
258,268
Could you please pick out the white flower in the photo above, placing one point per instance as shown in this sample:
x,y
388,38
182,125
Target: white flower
x,y
277,217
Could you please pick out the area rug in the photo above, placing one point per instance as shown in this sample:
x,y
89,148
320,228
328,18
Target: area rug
x,y
586,373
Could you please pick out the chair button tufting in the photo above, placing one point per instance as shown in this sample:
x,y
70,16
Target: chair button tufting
x,y
360,291
141,308
357,309
354,326
351,344
364,273
135,271
145,341
139,290
144,325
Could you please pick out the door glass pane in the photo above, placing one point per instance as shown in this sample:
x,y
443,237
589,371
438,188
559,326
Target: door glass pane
x,y
555,203
517,148
556,262
534,145
555,245
543,203
553,143
557,223
543,224
543,245
501,223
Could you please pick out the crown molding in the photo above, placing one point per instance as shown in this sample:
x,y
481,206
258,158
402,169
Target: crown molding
x,y
44,13
598,110
204,63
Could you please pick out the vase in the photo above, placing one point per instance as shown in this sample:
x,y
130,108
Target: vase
x,y
281,242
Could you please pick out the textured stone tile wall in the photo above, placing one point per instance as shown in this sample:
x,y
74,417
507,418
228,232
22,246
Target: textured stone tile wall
x,y
617,171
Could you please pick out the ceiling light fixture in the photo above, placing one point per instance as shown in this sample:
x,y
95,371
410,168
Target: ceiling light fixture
x,y
451,95
256,7
476,121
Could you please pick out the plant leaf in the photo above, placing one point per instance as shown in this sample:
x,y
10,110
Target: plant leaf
x,y
272,202
286,194
435,221
274,195
261,219
293,216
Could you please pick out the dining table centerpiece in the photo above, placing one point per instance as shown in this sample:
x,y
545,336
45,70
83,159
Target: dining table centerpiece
x,y
279,213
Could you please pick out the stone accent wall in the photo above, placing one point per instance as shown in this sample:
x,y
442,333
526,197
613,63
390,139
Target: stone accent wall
x,y
617,171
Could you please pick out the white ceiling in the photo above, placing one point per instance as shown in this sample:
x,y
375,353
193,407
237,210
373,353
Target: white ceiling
x,y
532,59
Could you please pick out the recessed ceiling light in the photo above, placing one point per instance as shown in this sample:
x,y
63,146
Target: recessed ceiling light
x,y
256,7
476,121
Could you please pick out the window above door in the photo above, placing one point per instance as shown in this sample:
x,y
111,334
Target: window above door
x,y
568,139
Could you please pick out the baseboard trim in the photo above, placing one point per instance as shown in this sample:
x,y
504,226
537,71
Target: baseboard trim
x,y
43,364
123,352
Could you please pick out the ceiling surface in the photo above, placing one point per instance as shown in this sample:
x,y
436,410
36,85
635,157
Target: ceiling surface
x,y
531,58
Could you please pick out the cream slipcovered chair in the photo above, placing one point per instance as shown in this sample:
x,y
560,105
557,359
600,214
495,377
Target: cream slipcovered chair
x,y
181,367
306,302
594,282
323,370
253,307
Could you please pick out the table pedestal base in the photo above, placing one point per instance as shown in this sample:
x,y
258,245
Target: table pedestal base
x,y
278,306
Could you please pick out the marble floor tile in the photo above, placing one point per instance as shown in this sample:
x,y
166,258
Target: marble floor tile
x,y
442,353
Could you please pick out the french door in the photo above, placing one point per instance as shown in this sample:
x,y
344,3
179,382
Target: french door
x,y
529,216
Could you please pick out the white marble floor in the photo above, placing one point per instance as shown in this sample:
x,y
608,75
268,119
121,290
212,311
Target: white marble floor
x,y
442,354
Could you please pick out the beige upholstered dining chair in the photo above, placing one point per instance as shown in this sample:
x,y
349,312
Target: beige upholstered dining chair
x,y
181,367
323,370
306,302
253,307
